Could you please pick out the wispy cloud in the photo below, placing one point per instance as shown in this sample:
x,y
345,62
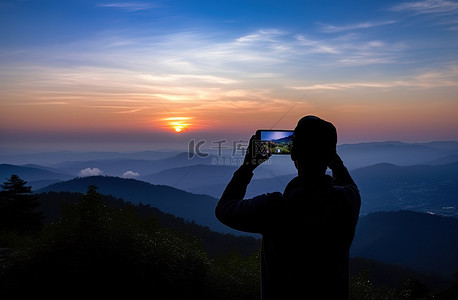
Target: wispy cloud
x,y
359,85
317,46
431,79
352,50
198,75
189,77
428,7
261,36
187,68
327,28
130,6
445,13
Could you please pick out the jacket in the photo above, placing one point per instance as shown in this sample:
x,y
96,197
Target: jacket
x,y
306,232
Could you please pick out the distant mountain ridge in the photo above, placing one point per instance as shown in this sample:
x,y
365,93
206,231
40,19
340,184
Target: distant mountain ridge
x,y
420,241
355,155
395,152
117,167
283,139
427,188
36,176
383,187
55,157
30,173
189,176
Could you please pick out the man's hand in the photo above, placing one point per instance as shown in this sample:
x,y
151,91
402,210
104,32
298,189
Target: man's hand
x,y
254,158
336,162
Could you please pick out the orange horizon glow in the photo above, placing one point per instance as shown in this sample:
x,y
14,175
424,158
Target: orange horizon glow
x,y
379,119
361,113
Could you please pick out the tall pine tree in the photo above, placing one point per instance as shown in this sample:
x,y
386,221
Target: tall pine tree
x,y
17,206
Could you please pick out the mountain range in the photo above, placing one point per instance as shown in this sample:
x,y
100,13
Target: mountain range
x,y
379,274
391,176
117,167
418,241
427,188
36,176
355,155
191,176
285,139
55,157
398,153
384,186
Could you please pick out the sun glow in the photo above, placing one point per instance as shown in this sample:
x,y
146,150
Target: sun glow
x,y
178,124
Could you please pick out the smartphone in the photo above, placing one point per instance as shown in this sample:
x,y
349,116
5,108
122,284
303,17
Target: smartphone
x,y
274,141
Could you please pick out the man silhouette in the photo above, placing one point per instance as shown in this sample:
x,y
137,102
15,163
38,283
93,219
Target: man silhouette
x,y
308,229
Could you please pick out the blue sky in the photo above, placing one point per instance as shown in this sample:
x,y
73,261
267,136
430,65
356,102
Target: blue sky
x,y
380,70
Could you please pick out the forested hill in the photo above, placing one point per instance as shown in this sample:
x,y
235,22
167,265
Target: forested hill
x,y
102,244
416,240
369,238
192,207
214,243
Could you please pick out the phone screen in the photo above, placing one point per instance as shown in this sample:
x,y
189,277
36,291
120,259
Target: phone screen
x,y
275,141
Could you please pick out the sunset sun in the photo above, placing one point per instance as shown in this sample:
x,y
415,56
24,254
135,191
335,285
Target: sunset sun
x,y
178,124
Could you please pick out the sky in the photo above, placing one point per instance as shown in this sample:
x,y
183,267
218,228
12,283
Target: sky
x,y
143,75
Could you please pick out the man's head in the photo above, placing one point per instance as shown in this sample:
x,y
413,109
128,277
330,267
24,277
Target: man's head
x,y
314,143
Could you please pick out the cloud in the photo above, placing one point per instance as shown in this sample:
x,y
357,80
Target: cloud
x,y
90,172
444,12
428,7
130,174
129,6
156,77
327,28
196,74
188,77
431,79
317,46
350,50
261,36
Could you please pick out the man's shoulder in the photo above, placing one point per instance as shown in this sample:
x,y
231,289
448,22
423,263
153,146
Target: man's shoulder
x,y
352,188
270,198
266,203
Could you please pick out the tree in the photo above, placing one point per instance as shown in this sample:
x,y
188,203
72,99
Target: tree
x,y
18,205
